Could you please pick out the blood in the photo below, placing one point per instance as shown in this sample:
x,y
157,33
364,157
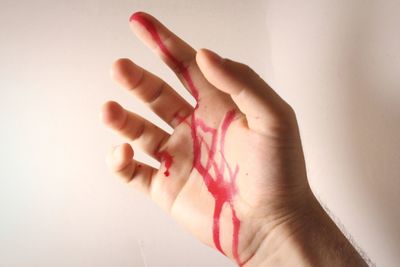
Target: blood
x,y
167,159
218,176
179,118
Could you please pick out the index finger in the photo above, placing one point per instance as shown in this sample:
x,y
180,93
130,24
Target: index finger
x,y
176,53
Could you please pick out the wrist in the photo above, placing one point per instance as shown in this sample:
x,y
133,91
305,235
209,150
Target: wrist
x,y
308,237
283,244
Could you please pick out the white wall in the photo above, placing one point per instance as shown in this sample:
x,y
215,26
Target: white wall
x,y
336,62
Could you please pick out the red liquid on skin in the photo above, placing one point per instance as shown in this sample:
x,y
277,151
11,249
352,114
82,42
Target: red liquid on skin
x,y
167,159
223,190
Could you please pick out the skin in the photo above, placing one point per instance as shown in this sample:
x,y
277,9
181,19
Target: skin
x,y
281,222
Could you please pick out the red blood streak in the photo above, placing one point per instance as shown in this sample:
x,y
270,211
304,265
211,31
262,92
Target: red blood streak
x,y
179,118
221,184
167,159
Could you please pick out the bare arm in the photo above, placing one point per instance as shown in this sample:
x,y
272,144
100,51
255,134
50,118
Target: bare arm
x,y
312,239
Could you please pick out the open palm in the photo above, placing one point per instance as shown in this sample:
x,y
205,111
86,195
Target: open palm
x,y
233,169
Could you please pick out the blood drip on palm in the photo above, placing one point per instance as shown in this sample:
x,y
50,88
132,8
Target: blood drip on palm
x,y
167,159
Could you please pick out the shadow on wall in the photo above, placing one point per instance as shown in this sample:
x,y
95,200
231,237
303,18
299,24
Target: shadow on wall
x,y
370,67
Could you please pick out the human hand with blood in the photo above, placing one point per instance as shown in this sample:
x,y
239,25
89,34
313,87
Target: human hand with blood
x,y
232,172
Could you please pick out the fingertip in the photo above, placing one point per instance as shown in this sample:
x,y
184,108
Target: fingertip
x,y
120,156
124,151
126,73
146,27
209,63
137,15
208,56
140,19
134,15
201,57
120,67
200,53
111,112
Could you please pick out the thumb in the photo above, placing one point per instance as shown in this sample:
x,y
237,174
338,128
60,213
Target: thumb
x,y
266,112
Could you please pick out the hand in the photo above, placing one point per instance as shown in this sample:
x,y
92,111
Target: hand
x,y
233,171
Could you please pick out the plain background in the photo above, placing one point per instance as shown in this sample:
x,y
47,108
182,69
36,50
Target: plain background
x,y
336,62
